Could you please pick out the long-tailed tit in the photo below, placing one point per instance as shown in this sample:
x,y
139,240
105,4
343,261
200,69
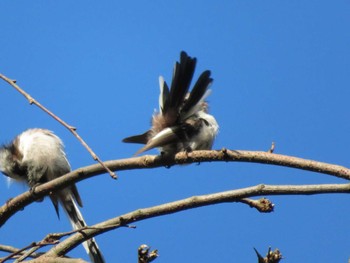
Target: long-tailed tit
x,y
37,156
183,122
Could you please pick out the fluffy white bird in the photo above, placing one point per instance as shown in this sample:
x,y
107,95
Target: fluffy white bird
x,y
183,122
37,156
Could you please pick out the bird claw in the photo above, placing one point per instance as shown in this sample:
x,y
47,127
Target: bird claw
x,y
32,192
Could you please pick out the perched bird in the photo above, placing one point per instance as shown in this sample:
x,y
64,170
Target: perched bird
x,y
37,156
183,122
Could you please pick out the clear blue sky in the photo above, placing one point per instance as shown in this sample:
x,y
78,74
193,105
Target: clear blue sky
x,y
281,73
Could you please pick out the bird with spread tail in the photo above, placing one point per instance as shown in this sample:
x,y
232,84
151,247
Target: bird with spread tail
x,y
183,122
37,156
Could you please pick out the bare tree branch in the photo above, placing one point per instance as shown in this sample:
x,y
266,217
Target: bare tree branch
x,y
264,158
15,251
150,161
56,260
69,127
189,203
61,249
29,250
23,253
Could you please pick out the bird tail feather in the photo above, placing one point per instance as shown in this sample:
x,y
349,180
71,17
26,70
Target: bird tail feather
x,y
77,221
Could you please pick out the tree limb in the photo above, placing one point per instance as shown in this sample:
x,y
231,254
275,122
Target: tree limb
x,y
151,161
189,203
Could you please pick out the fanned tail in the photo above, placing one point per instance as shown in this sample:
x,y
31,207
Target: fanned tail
x,y
198,94
182,77
176,106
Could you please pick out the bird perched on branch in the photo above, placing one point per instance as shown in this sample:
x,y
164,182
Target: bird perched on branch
x,y
37,156
183,122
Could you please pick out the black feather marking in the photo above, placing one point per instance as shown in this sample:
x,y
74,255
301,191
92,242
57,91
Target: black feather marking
x,y
164,94
76,195
173,87
141,139
182,76
198,90
54,201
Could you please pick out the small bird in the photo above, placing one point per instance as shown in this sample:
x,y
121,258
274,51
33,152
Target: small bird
x,y
37,156
183,122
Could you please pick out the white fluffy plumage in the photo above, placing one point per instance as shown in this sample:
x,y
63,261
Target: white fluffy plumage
x,y
37,156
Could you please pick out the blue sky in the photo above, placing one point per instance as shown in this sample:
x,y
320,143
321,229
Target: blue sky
x,y
281,73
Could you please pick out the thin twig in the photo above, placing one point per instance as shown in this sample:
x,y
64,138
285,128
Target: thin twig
x,y
69,127
18,252
45,259
10,249
21,251
27,254
49,239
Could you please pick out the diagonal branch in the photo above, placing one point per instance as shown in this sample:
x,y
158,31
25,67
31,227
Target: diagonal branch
x,y
190,203
69,127
149,161
15,251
